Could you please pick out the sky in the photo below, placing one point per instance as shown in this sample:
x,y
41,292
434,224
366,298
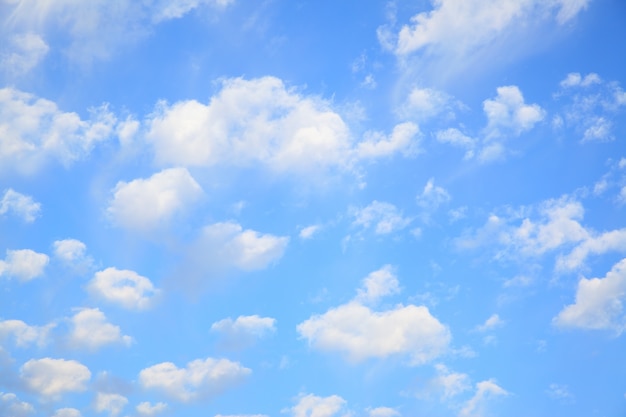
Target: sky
x,y
236,208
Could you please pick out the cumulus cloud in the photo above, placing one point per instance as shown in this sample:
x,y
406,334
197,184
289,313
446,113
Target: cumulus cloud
x,y
463,26
123,287
19,205
244,330
23,264
145,204
199,379
25,51
67,412
359,333
149,410
69,250
598,304
91,330
384,217
51,378
112,403
485,392
35,130
383,412
313,406
247,250
507,112
402,139
378,284
23,334
10,405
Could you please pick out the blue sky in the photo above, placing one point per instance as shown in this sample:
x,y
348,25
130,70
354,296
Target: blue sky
x,y
235,208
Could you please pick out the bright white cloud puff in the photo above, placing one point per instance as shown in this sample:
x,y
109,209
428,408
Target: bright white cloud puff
x,y
51,378
311,405
123,287
383,217
201,378
244,329
19,205
90,330
24,264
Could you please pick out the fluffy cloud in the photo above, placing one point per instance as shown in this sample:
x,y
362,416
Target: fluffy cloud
x,y
313,406
145,204
432,196
113,403
376,144
91,330
34,130
242,415
20,205
384,217
378,284
485,390
124,287
446,384
67,412
52,378
200,379
69,250
456,138
149,410
596,244
244,330
25,51
10,405
383,412
309,231
464,25
24,264
251,121
508,112
361,333
232,246
167,10
491,323
23,334
598,302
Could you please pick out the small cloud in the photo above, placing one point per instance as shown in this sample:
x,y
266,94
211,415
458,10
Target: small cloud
x,y
20,205
244,330
384,217
23,264
309,231
123,287
491,323
559,392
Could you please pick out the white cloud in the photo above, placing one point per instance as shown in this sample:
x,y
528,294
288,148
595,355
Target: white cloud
x,y
145,204
24,264
456,138
248,122
485,390
168,9
507,113
23,334
376,144
232,246
432,196
384,217
34,130
124,287
313,406
244,330
11,406
426,103
149,410
464,25
20,205
383,412
309,231
574,79
52,378
113,403
91,330
377,284
241,415
491,323
200,379
598,302
446,384
360,333
69,250
597,244
25,52
67,412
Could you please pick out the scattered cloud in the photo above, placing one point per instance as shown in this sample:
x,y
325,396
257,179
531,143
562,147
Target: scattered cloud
x,y
383,412
378,284
25,51
384,217
244,330
123,287
23,334
432,196
402,139
309,231
35,130
559,392
51,378
10,405
23,264
361,333
485,392
146,204
112,403
313,406
446,384
493,322
67,412
148,410
598,304
455,137
19,205
90,330
201,378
